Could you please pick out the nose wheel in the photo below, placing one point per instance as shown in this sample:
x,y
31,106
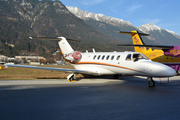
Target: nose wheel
x,y
151,82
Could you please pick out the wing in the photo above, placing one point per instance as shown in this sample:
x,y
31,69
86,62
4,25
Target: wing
x,y
152,46
49,68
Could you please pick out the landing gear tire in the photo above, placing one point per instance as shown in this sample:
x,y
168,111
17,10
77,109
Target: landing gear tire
x,y
151,83
70,79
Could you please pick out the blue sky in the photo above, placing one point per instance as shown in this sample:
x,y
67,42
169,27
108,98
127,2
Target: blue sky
x,y
163,13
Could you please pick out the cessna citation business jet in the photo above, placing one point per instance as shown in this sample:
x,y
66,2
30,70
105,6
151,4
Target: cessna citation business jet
x,y
107,63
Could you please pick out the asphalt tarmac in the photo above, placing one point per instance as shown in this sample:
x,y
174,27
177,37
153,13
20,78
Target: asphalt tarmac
x,y
127,98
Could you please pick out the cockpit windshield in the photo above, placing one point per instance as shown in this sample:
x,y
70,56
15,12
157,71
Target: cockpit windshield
x,y
138,56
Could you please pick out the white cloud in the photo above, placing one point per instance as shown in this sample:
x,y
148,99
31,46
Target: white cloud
x,y
163,6
93,2
134,7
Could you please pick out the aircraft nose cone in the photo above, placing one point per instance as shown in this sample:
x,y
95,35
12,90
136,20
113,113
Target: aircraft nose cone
x,y
164,71
170,72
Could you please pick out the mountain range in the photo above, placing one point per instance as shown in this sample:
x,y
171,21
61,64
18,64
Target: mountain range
x,y
110,26
20,19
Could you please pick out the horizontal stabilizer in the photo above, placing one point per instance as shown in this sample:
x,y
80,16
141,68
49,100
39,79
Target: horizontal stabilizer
x,y
48,38
133,32
152,46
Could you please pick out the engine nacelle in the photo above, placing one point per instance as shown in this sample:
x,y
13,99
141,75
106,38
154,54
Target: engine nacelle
x,y
74,56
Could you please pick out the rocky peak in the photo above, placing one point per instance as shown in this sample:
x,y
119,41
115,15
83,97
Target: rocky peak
x,y
149,27
60,7
176,35
99,17
31,10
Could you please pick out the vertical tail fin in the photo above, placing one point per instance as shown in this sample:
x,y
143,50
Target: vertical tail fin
x,y
67,51
65,46
137,40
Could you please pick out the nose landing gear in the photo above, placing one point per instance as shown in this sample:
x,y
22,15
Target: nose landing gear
x,y
151,82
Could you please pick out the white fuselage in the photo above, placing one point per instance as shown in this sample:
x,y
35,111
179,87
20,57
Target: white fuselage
x,y
99,63
109,63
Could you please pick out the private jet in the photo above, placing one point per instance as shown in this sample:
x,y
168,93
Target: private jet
x,y
106,63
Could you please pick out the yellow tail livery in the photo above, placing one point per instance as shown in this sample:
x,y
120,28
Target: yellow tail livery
x,y
139,45
167,54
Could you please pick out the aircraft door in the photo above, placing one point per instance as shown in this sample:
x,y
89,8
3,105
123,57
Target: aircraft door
x,y
118,59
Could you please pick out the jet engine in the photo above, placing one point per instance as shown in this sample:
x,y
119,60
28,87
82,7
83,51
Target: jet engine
x,y
76,55
73,57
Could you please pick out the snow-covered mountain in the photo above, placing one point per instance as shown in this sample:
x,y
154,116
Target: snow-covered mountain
x,y
163,36
172,32
151,27
110,26
107,25
98,17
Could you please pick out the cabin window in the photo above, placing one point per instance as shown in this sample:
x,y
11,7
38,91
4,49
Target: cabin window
x,y
103,57
118,57
176,57
94,57
128,58
99,57
167,58
107,57
171,58
112,57
137,57
144,57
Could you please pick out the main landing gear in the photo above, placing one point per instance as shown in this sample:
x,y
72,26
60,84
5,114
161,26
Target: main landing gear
x,y
151,82
71,77
116,76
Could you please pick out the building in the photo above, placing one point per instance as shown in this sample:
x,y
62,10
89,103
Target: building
x,y
33,58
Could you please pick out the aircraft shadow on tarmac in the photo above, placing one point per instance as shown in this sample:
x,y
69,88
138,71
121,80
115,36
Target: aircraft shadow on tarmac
x,y
139,81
